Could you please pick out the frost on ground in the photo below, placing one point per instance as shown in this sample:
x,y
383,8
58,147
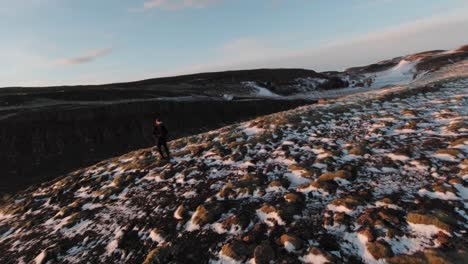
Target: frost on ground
x,y
378,177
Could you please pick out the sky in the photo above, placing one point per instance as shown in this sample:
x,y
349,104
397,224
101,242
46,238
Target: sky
x,y
75,42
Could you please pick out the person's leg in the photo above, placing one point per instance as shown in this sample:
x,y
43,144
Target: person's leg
x,y
159,145
168,153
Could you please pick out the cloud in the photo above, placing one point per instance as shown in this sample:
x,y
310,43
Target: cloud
x,y
88,57
178,4
444,32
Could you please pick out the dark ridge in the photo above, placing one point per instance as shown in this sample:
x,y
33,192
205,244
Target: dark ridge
x,y
434,63
263,75
463,48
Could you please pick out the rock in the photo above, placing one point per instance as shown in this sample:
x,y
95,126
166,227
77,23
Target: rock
x,y
236,250
417,258
73,220
431,256
443,238
329,176
289,210
158,255
388,216
227,191
387,200
267,209
263,254
201,216
329,186
368,233
317,252
250,180
460,141
294,198
359,150
341,218
277,183
291,242
438,218
452,152
365,194
256,234
306,173
242,219
454,181
329,242
180,213
379,249
440,187
197,150
237,156
349,202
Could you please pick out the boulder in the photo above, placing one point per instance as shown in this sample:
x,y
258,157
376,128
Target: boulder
x,y
202,216
294,198
329,176
379,249
180,213
358,150
291,242
263,254
158,255
236,250
438,218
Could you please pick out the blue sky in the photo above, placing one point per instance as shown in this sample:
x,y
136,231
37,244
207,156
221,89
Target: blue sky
x,y
55,42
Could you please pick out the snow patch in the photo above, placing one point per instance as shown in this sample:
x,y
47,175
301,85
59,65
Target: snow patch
x,y
267,218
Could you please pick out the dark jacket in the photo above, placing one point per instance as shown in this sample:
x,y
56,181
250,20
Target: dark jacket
x,y
160,131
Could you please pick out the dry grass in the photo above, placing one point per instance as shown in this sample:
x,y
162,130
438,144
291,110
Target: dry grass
x,y
329,176
451,152
439,219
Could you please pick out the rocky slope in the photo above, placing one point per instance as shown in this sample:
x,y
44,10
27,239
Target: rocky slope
x,y
41,144
81,125
379,177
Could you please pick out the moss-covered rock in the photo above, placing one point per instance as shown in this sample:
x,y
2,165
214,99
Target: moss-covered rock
x,y
359,150
431,256
329,176
236,250
158,255
264,254
379,249
438,218
328,186
202,216
288,240
460,141
450,151
350,202
294,198
305,172
181,212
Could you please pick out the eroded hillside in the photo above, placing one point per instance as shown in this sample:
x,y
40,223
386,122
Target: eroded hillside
x,y
377,177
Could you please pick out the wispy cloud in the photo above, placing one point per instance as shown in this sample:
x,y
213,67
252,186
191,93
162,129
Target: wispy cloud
x,y
84,58
178,4
444,32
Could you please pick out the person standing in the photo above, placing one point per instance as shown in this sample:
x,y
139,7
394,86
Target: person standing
x,y
160,134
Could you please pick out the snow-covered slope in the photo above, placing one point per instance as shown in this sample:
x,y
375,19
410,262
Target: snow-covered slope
x,y
403,70
403,73
375,177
